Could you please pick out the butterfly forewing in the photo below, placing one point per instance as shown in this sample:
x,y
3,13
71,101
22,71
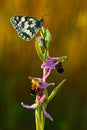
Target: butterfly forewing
x,y
26,26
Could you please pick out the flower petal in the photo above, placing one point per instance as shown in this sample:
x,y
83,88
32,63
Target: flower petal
x,y
33,106
45,84
52,58
47,73
50,63
40,99
47,114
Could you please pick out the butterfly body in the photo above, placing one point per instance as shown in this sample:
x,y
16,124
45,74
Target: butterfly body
x,y
26,26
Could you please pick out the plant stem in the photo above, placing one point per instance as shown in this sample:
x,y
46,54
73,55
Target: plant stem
x,y
39,118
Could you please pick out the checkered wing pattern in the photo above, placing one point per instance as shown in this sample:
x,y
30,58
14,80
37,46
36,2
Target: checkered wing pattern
x,y
27,27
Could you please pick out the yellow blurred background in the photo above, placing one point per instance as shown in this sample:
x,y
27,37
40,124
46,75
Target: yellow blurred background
x,y
67,23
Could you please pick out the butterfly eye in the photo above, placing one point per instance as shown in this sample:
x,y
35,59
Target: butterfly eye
x,y
27,27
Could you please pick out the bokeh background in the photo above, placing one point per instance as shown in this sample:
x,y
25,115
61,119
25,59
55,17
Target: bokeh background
x,y
67,23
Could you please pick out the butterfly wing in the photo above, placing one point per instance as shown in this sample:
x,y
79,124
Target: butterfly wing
x,y
26,26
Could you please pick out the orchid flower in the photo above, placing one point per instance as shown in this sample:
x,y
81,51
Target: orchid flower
x,y
39,85
53,63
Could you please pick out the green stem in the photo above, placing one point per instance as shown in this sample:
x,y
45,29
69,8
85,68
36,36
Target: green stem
x,y
39,118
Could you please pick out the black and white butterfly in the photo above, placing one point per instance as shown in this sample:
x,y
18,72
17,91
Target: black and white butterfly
x,y
26,26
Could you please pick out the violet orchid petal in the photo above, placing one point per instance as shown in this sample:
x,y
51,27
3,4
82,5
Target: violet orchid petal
x,y
52,58
47,73
45,84
50,63
47,114
33,106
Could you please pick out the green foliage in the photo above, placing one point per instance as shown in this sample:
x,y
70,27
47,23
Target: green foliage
x,y
55,90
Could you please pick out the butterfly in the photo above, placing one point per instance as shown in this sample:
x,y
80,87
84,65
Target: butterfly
x,y
26,26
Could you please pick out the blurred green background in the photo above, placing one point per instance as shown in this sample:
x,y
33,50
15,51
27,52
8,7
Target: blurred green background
x,y
18,60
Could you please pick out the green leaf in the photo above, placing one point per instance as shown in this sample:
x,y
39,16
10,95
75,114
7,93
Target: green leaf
x,y
39,51
55,90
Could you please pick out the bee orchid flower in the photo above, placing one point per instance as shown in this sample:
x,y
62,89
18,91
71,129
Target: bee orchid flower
x,y
37,88
53,63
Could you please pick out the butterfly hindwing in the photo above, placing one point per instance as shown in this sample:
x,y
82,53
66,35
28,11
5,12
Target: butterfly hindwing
x,y
26,26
